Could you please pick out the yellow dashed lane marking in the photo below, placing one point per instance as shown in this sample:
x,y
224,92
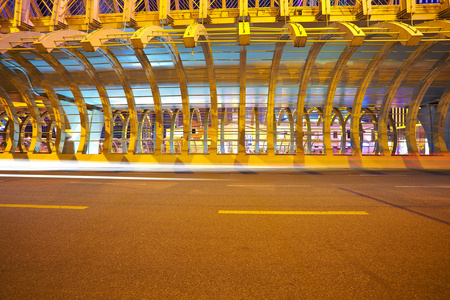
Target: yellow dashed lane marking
x,y
43,206
283,212
268,185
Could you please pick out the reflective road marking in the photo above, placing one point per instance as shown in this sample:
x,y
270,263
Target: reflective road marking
x,y
283,212
43,206
99,177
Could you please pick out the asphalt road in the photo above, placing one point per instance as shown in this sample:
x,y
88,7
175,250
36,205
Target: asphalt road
x,y
235,235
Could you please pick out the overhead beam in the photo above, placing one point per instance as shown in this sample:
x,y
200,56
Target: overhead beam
x,y
408,35
352,33
21,38
297,34
96,39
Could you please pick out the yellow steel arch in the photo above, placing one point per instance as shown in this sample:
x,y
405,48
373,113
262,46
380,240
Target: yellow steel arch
x,y
94,42
439,124
139,40
383,119
362,88
414,106
31,104
57,112
59,39
192,35
298,36
13,121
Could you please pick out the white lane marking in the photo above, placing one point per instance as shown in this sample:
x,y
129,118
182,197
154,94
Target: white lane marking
x,y
101,177
424,186
266,185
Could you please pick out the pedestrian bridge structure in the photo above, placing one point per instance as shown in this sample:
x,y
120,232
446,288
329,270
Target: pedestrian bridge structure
x,y
226,81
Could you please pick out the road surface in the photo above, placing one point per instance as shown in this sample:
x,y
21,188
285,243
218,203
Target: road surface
x,y
294,234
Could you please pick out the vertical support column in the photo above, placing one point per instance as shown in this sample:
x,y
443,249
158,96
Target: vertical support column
x,y
127,14
164,12
21,19
92,11
284,8
223,119
242,97
57,20
243,10
206,47
203,10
